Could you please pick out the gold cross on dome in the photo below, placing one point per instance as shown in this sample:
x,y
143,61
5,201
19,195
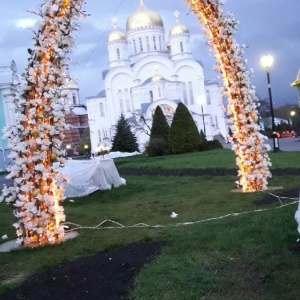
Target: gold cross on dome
x,y
114,21
176,14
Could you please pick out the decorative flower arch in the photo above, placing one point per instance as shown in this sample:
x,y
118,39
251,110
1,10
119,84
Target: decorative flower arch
x,y
248,143
36,138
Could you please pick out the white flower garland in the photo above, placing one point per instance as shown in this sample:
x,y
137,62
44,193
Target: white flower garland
x,y
248,143
35,140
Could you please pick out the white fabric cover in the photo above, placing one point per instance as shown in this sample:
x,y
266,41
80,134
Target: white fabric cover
x,y
88,176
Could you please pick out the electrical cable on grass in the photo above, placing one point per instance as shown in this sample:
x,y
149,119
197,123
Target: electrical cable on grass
x,y
144,225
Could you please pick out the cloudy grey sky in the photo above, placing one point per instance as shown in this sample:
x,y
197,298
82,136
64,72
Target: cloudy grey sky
x,y
266,26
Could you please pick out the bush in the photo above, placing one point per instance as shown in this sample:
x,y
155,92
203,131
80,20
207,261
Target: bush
x,y
157,147
158,144
210,145
184,136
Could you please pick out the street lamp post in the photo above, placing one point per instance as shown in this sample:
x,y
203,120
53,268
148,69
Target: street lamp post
x,y
267,62
292,116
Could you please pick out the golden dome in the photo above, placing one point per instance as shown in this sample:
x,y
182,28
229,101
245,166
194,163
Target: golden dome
x,y
116,35
178,29
142,17
69,83
157,78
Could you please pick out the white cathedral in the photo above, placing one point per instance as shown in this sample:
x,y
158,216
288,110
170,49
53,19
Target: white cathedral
x,y
145,71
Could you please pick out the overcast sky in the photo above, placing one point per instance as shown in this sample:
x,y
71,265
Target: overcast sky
x,y
266,26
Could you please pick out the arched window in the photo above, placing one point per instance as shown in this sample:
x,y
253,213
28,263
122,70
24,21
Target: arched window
x,y
134,46
154,43
141,45
181,47
185,94
159,92
148,43
159,42
118,53
99,135
102,110
208,100
121,101
151,95
191,92
127,100
217,123
74,98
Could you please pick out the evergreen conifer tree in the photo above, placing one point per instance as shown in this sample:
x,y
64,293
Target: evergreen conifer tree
x,y
124,140
184,135
158,144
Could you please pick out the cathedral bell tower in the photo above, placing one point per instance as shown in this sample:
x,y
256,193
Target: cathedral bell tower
x,y
117,47
179,41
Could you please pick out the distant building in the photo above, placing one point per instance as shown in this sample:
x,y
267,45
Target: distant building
x,y
78,118
146,71
8,83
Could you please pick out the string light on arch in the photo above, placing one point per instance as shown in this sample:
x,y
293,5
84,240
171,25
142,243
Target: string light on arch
x,y
35,140
248,143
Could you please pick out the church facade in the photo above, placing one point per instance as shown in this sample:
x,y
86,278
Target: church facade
x,y
147,70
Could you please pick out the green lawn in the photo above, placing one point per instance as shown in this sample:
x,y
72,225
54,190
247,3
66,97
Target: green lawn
x,y
220,158
237,257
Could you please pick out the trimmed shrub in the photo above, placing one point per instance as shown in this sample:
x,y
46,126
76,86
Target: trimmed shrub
x,y
210,145
157,147
184,136
124,140
158,144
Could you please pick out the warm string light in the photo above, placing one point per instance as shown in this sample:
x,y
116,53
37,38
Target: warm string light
x,y
36,139
248,143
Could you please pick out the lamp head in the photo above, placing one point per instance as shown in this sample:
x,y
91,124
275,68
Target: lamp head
x,y
267,61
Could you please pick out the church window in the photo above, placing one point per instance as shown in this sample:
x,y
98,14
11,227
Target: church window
x,y
104,132
148,43
159,92
121,101
154,43
134,46
208,100
191,93
127,100
185,94
102,110
151,95
128,105
99,135
181,47
118,53
74,98
159,42
141,45
216,119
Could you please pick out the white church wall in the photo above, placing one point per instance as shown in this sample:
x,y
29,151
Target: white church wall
x,y
180,47
118,54
152,65
146,41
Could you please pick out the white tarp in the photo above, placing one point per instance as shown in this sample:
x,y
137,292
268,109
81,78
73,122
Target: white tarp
x,y
88,176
